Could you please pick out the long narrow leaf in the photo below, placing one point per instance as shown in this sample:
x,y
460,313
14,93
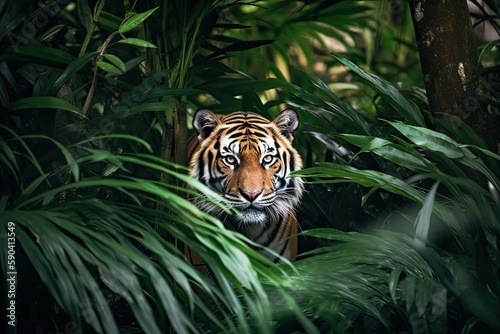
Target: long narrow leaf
x,y
36,102
404,106
424,217
135,20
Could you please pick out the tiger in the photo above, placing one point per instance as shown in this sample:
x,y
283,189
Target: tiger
x,y
248,159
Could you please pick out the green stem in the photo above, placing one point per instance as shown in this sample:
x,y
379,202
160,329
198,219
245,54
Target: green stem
x,y
187,57
95,20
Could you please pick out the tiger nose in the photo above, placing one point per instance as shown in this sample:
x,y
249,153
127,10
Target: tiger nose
x,y
250,195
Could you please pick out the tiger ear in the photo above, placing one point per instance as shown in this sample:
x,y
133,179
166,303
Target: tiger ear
x,y
205,121
287,121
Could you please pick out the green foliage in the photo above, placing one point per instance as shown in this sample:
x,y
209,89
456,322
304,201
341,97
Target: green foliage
x,y
408,160
96,232
401,226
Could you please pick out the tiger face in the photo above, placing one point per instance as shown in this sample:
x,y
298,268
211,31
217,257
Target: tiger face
x,y
248,160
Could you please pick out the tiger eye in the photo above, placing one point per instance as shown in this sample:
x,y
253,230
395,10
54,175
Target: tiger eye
x,y
230,160
267,159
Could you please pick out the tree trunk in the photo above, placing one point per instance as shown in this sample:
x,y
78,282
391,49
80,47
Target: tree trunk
x,y
449,56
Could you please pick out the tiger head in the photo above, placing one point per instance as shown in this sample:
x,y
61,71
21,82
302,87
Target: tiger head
x,y
248,160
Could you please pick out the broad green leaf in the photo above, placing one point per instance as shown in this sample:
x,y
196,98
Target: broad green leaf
x,y
110,68
137,42
117,62
443,144
135,20
432,140
36,102
396,153
84,13
484,151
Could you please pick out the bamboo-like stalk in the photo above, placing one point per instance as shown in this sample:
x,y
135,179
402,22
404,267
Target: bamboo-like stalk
x,y
95,20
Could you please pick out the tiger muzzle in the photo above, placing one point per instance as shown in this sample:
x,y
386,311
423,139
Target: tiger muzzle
x,y
251,195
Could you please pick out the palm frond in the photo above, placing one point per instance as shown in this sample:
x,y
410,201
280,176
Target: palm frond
x,y
81,245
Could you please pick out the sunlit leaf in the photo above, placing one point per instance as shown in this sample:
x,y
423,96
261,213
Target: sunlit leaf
x,y
117,62
432,140
110,68
135,20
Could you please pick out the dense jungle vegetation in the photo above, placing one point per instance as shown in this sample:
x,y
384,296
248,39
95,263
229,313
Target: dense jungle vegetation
x,y
400,225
